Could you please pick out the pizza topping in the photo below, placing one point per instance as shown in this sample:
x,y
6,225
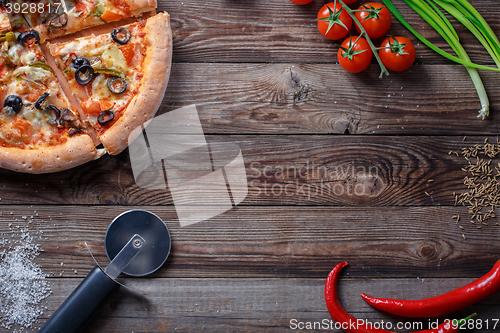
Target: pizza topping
x,y
59,21
113,58
39,103
42,65
96,11
129,52
32,74
121,35
68,119
90,106
116,84
84,74
108,71
56,111
10,37
27,37
105,117
28,57
12,105
79,62
110,15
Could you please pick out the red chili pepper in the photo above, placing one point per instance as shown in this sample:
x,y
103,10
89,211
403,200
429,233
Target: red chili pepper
x,y
352,325
452,301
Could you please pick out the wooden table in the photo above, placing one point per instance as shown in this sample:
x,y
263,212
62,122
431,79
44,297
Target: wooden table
x,y
265,79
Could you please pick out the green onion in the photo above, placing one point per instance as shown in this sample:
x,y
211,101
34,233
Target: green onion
x,y
436,49
432,15
472,20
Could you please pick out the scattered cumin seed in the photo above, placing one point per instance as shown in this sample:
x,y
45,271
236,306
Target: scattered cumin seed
x,y
463,235
427,194
482,181
461,227
430,180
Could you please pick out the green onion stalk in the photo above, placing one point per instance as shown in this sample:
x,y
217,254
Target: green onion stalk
x,y
473,21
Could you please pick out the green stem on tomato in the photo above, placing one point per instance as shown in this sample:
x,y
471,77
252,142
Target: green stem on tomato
x,y
441,24
349,11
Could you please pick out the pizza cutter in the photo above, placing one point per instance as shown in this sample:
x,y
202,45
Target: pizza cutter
x,y
137,243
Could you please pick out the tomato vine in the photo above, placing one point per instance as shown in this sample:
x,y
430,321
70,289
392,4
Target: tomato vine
x,y
363,33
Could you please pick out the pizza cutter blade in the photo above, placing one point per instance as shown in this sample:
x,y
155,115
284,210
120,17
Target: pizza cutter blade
x,y
138,243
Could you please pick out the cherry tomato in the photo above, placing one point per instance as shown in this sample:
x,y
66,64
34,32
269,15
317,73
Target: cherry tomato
x,y
354,54
301,2
375,19
333,21
398,53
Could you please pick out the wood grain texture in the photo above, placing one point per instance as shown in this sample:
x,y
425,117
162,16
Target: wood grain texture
x,y
280,242
296,98
279,31
281,170
263,78
255,305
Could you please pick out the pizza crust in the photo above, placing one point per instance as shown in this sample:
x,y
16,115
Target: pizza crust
x,y
76,151
140,6
143,107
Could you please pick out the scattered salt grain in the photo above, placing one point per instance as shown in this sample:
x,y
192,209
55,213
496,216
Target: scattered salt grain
x,y
22,283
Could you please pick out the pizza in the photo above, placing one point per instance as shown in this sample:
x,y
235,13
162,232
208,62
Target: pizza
x,y
77,15
119,78
62,99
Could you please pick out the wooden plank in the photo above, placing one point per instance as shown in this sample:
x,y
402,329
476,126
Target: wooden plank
x,y
277,31
281,170
265,241
296,98
263,305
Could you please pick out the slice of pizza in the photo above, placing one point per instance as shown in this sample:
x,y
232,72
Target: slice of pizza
x,y
38,12
76,15
119,78
11,18
40,131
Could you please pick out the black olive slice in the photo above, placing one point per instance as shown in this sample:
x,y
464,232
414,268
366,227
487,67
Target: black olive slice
x,y
39,102
26,36
84,74
117,85
105,117
120,35
56,111
12,104
79,62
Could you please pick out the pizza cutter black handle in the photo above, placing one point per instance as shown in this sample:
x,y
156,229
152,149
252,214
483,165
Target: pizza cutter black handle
x,y
83,303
